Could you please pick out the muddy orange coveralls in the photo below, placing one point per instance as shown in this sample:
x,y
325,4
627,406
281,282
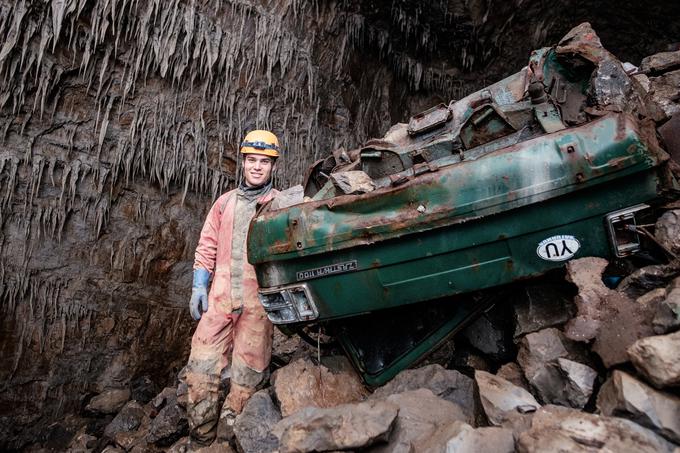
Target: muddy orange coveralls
x,y
235,324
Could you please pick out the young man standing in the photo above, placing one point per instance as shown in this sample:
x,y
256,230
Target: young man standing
x,y
233,324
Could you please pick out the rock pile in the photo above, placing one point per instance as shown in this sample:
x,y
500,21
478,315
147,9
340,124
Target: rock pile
x,y
576,383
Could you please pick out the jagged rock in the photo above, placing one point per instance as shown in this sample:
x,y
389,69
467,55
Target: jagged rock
x,y
512,373
128,419
180,446
579,380
288,197
652,298
111,449
556,428
657,358
169,425
648,278
540,307
182,394
667,318
450,385
503,401
660,62
538,356
627,322
301,384
82,443
665,90
134,439
460,437
287,348
586,274
343,427
610,317
143,389
216,447
489,338
624,396
109,401
167,396
421,413
253,426
184,445
667,229
353,182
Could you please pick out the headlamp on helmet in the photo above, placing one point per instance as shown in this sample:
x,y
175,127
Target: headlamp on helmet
x,y
260,142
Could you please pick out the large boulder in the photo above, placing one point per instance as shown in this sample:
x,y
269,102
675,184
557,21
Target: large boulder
x,y
460,437
302,383
556,428
657,358
624,396
421,413
566,382
253,426
504,403
450,385
348,426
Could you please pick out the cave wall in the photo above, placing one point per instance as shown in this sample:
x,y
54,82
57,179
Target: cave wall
x,y
119,125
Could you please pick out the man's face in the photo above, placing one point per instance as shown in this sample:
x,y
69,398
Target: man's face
x,y
257,169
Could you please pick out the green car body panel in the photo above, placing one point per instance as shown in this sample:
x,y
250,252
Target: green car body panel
x,y
502,189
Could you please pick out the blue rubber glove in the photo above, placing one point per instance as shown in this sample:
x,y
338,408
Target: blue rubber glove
x,y
199,293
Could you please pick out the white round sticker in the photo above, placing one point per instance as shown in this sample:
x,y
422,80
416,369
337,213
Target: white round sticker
x,y
558,248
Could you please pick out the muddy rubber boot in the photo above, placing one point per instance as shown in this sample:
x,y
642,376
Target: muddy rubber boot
x,y
233,405
203,405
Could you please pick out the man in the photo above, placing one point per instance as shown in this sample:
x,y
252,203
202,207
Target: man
x,y
232,321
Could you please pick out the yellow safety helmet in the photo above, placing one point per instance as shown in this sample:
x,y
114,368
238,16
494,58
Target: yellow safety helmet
x,y
260,142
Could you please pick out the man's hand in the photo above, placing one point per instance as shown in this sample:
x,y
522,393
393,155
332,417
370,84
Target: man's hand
x,y
199,293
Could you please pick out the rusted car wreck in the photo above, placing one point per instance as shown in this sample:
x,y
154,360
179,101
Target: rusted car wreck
x,y
555,162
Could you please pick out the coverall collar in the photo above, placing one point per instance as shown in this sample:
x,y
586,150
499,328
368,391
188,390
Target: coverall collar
x,y
251,193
